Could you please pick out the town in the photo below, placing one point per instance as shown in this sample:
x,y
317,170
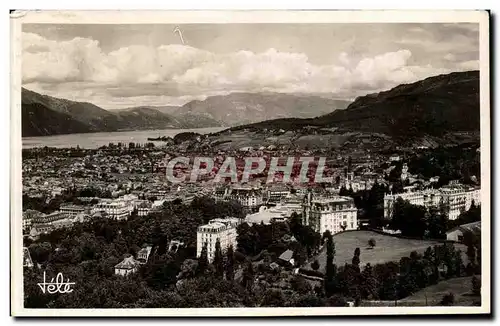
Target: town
x,y
270,232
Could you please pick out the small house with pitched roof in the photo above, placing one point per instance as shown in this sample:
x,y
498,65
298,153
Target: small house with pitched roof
x,y
143,254
127,266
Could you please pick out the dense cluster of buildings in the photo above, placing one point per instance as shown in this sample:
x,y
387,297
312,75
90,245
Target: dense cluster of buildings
x,y
36,223
124,184
291,203
249,197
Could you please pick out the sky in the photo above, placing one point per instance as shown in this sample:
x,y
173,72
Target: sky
x,y
119,66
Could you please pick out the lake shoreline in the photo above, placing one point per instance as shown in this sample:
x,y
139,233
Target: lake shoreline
x,y
98,139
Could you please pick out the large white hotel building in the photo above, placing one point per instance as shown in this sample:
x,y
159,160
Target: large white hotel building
x,y
335,214
458,198
223,229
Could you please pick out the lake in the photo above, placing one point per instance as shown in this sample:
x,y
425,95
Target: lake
x,y
98,139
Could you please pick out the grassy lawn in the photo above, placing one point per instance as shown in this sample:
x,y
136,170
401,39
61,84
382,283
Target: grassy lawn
x,y
461,287
387,248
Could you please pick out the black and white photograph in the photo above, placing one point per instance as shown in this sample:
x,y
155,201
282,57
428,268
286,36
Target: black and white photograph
x,y
281,163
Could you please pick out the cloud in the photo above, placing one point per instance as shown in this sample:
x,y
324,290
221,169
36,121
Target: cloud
x,y
469,65
177,73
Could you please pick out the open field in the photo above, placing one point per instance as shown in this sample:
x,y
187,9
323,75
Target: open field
x,y
388,248
461,287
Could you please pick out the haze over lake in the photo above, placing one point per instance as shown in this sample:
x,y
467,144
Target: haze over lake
x,y
98,139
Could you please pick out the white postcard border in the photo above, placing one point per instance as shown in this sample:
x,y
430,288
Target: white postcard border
x,y
248,16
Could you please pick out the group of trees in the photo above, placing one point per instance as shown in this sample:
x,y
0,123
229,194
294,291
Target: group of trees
x,y
473,214
237,277
50,204
449,163
370,203
392,280
430,222
275,238
419,221
87,253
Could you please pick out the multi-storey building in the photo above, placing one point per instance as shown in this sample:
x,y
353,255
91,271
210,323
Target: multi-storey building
x,y
49,218
72,210
249,197
115,209
284,209
276,193
39,229
28,217
425,198
456,198
335,214
459,199
222,229
144,208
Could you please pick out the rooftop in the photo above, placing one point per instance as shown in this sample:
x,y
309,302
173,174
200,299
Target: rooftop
x,y
336,199
287,255
127,263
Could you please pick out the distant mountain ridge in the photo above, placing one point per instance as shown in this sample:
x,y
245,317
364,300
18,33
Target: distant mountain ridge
x,y
44,115
434,106
215,111
243,108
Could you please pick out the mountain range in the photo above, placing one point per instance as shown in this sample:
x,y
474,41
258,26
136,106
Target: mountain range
x,y
434,106
46,115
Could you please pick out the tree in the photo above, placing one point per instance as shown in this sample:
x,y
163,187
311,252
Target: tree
x,y
330,267
473,243
218,261
299,255
348,281
300,285
369,284
356,259
40,252
203,260
372,243
248,276
408,218
476,285
437,221
336,301
315,265
161,273
230,264
273,298
448,299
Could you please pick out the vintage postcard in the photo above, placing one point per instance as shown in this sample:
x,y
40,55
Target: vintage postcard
x,y
250,163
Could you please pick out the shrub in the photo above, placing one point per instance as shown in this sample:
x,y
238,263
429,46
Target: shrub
x,y
448,299
372,243
336,301
315,265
